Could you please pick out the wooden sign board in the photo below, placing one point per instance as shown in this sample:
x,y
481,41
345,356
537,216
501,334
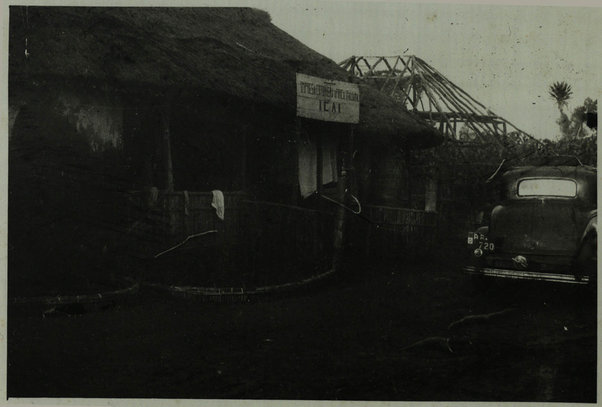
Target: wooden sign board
x,y
326,100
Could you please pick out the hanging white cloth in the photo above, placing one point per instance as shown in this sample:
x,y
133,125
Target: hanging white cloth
x,y
218,203
308,183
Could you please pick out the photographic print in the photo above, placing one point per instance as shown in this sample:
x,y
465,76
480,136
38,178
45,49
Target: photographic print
x,y
302,200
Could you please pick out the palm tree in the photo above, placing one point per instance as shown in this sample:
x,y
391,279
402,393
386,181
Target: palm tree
x,y
561,92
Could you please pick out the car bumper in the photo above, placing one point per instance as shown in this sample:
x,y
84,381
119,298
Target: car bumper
x,y
527,275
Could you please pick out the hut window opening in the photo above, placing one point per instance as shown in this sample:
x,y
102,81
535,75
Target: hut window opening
x,y
317,160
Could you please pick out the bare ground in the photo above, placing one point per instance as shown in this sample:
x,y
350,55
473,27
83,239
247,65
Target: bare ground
x,y
372,333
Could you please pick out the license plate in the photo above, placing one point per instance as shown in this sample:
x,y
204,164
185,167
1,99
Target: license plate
x,y
479,240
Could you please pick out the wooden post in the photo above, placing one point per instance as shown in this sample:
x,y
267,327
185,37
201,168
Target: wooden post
x,y
295,187
167,148
319,162
430,193
168,169
339,220
408,159
243,159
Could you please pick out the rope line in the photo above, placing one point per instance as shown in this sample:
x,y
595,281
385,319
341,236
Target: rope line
x,y
359,211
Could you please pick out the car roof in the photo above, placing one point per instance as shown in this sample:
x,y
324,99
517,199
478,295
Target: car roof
x,y
562,171
546,166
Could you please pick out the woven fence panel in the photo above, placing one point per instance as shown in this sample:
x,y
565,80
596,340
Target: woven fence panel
x,y
395,232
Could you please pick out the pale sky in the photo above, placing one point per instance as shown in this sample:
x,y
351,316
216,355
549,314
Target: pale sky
x,y
504,56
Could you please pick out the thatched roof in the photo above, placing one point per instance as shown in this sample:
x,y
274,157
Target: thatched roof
x,y
234,51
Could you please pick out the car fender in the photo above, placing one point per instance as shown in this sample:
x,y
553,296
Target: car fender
x,y
483,230
591,230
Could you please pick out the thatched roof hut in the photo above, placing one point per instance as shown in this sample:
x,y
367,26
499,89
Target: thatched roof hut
x,y
231,51
124,119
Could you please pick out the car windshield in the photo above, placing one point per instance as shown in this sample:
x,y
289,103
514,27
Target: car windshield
x,y
547,187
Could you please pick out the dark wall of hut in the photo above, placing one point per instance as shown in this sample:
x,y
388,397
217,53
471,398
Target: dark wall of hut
x,y
67,175
77,152
382,176
143,147
217,142
271,169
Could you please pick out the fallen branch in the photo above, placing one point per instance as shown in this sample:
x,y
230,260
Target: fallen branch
x,y
184,242
479,318
212,292
445,343
432,340
78,299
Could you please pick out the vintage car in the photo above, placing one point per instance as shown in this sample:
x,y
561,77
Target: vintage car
x,y
544,227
